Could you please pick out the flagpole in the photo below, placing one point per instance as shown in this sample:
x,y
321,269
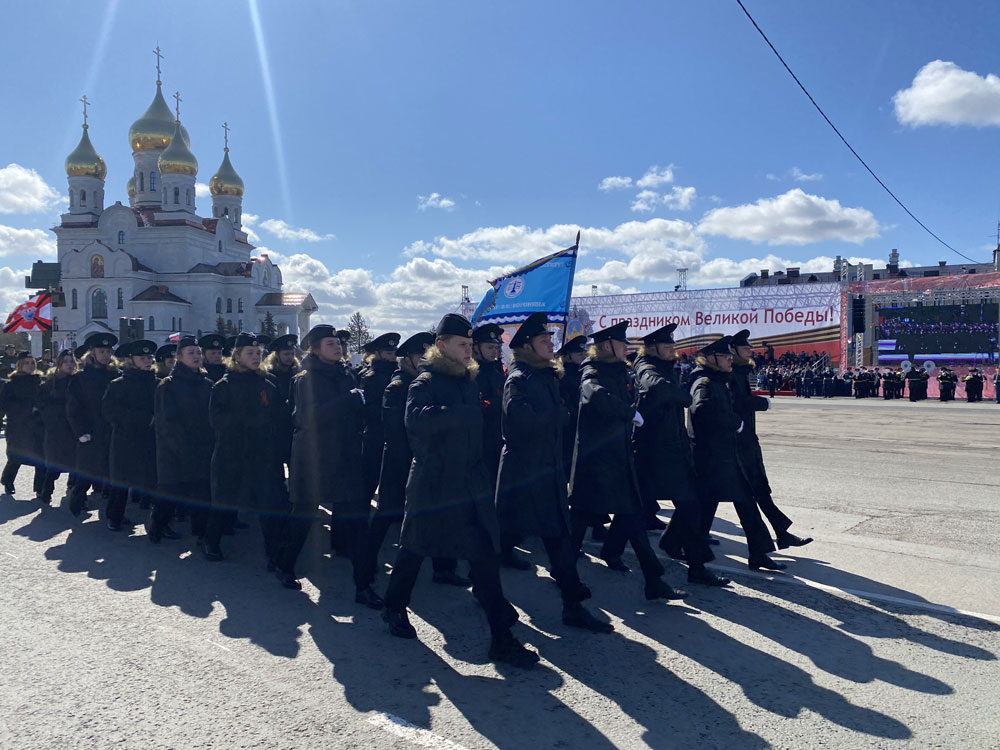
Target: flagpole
x,y
569,288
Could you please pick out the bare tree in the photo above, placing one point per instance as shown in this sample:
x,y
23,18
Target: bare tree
x,y
357,326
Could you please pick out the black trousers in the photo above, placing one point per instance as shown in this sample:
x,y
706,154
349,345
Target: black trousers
x,y
562,566
117,500
778,520
486,587
759,541
197,498
625,527
354,536
11,469
377,531
78,492
684,532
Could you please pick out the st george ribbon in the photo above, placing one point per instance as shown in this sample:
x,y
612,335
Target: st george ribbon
x,y
544,285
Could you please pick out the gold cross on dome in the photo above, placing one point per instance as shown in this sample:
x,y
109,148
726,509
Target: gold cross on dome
x,y
159,57
225,126
177,106
85,103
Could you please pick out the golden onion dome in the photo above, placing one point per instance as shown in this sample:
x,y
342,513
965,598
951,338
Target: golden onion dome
x,y
85,161
177,157
153,131
131,188
225,181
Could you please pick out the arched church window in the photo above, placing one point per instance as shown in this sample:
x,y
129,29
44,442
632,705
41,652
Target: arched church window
x,y
239,305
240,322
225,212
180,324
189,196
73,303
99,304
220,246
152,323
218,304
177,196
173,324
121,299
83,197
152,180
96,267
121,237
142,182
265,277
229,305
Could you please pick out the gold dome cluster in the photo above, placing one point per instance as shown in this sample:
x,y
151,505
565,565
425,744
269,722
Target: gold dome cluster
x,y
155,129
85,161
177,157
225,181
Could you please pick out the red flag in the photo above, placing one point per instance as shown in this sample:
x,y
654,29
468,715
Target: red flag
x,y
33,315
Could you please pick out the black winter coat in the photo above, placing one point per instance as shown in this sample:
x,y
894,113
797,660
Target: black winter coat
x,y
397,455
58,443
450,508
128,409
714,423
604,479
83,410
281,377
531,488
489,380
662,448
184,436
747,405
569,391
24,424
246,415
373,383
215,373
327,421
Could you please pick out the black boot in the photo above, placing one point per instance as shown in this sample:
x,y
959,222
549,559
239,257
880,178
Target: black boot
x,y
510,559
660,589
756,563
507,649
706,577
788,539
577,616
369,598
399,623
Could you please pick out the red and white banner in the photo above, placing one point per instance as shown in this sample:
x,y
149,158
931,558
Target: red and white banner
x,y
792,317
33,315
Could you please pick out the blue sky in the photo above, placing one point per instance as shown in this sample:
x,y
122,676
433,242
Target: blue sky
x,y
408,148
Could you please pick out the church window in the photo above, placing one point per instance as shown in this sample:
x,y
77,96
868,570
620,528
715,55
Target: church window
x,y
72,199
189,196
229,305
239,305
99,304
121,299
152,323
74,299
83,197
218,304
220,250
225,212
173,324
240,321
96,267
121,237
152,180
142,182
238,212
265,276
180,324
177,196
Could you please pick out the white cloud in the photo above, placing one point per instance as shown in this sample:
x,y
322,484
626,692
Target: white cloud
x,y
615,183
283,231
646,201
727,272
943,94
249,221
799,176
680,198
434,200
201,190
794,218
34,242
23,191
655,177
12,289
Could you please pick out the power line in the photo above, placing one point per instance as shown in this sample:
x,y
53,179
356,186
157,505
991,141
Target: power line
x,y
849,146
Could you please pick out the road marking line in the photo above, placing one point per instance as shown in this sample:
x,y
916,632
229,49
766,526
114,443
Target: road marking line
x,y
411,732
929,606
10,555
218,645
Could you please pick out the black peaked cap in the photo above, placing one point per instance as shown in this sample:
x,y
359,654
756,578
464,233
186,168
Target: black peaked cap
x,y
663,335
415,344
535,325
617,332
454,324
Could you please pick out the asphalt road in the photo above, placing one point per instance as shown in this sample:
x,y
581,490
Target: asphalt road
x,y
884,632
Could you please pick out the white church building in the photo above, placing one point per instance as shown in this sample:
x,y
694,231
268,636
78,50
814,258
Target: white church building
x,y
156,258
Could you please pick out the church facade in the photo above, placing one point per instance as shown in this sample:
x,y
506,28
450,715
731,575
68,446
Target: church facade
x,y
156,258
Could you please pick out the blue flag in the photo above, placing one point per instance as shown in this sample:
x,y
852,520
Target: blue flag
x,y
542,286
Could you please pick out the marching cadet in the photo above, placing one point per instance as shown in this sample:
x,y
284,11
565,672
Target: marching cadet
x,y
83,409
603,478
917,378
281,364
996,384
327,420
8,360
59,446
571,354
974,385
751,457
663,454
24,425
46,363
381,355
396,459
184,444
212,345
715,429
165,357
245,410
947,382
127,407
808,382
450,508
531,488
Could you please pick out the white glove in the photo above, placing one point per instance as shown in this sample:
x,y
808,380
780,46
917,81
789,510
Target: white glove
x,y
768,399
637,420
361,395
741,427
84,438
